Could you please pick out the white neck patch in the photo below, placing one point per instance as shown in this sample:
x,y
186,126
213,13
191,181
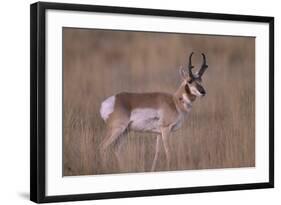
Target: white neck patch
x,y
187,103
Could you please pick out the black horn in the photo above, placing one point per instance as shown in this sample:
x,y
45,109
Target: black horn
x,y
190,66
203,68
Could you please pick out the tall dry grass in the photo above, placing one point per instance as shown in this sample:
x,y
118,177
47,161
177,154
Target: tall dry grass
x,y
220,130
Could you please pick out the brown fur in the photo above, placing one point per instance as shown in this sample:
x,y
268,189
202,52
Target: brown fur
x,y
172,107
126,102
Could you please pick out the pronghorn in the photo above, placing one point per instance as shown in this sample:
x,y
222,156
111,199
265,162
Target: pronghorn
x,y
155,112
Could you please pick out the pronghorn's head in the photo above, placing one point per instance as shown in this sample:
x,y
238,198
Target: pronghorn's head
x,y
193,82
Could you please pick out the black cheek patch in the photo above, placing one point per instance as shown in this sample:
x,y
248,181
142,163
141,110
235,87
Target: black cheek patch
x,y
187,90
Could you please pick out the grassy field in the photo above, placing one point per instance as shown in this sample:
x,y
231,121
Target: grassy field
x,y
220,130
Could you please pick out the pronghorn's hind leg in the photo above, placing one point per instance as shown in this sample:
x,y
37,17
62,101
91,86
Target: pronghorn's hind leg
x,y
118,145
114,131
111,138
112,135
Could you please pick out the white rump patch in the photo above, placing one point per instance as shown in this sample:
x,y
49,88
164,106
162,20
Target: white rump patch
x,y
145,119
107,107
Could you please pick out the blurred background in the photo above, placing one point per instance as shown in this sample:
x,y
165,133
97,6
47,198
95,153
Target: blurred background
x,y
220,130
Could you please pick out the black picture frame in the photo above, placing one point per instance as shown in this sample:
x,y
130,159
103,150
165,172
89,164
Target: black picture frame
x,y
38,101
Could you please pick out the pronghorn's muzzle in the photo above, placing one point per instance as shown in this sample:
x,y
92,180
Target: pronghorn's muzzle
x,y
201,89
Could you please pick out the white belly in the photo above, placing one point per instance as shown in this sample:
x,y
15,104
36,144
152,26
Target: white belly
x,y
145,119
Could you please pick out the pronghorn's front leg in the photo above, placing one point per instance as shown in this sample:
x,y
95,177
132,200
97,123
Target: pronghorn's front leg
x,y
157,149
165,135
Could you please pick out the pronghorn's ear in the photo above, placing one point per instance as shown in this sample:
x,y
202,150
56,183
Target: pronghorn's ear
x,y
183,73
